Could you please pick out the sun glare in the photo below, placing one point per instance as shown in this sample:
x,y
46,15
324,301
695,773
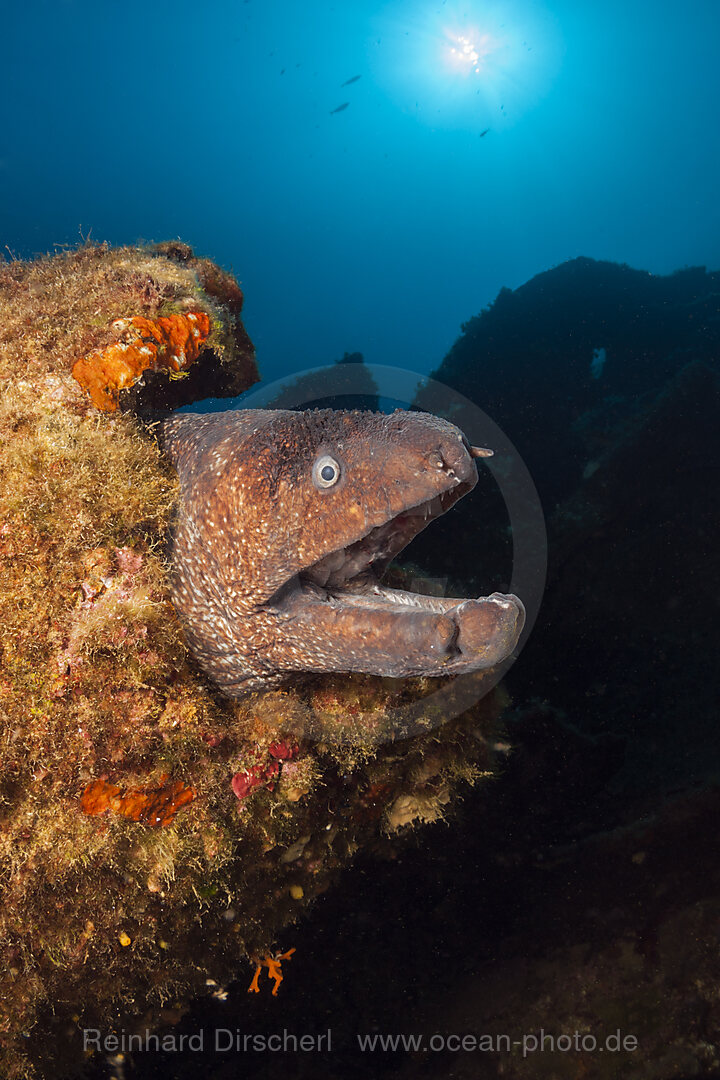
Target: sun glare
x,y
469,52
466,64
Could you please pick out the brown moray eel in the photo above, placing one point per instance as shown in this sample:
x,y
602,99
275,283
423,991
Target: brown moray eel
x,y
286,523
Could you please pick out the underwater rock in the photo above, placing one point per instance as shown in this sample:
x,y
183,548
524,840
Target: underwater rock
x,y
626,459
354,385
106,722
531,357
602,907
609,965
633,582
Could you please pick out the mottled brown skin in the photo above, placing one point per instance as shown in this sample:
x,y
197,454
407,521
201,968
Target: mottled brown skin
x,y
276,563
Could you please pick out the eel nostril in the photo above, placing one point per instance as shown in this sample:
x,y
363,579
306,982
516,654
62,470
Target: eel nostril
x,y
441,459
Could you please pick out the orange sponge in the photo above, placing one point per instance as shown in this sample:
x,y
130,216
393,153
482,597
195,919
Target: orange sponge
x,y
170,343
152,806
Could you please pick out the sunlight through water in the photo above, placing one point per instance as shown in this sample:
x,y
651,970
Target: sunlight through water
x,y
467,65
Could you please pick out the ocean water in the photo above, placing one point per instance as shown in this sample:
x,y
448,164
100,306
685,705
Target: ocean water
x,y
520,199
581,129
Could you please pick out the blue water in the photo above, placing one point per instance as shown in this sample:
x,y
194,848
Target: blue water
x,y
588,128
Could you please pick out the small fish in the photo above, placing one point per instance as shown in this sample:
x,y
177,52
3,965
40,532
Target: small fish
x,y
484,132
354,79
340,107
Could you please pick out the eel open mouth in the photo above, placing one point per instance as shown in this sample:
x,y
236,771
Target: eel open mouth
x,y
431,635
360,565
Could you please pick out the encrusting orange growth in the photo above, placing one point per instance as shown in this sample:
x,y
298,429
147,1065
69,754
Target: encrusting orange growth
x,y
152,806
171,343
274,966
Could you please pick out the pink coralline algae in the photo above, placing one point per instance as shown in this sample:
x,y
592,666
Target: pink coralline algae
x,y
284,750
264,774
245,782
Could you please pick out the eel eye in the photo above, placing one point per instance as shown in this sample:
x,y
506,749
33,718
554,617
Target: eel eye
x,y
326,472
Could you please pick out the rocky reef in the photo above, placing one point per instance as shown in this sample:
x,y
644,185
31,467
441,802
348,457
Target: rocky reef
x,y
574,355
607,380
625,456
156,836
577,896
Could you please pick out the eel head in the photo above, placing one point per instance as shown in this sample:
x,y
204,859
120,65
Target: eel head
x,y
288,521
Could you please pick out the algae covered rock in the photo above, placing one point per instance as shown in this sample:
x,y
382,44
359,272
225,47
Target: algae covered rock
x,y
156,835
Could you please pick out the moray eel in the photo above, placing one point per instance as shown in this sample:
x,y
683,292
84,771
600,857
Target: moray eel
x,y
285,525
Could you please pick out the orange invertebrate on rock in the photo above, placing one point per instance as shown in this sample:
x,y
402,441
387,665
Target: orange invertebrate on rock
x,y
274,966
151,806
170,343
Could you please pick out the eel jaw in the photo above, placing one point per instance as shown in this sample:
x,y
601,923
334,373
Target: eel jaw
x,y
427,635
361,564
477,634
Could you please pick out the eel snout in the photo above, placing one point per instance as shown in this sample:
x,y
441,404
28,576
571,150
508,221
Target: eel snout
x,y
488,629
475,635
